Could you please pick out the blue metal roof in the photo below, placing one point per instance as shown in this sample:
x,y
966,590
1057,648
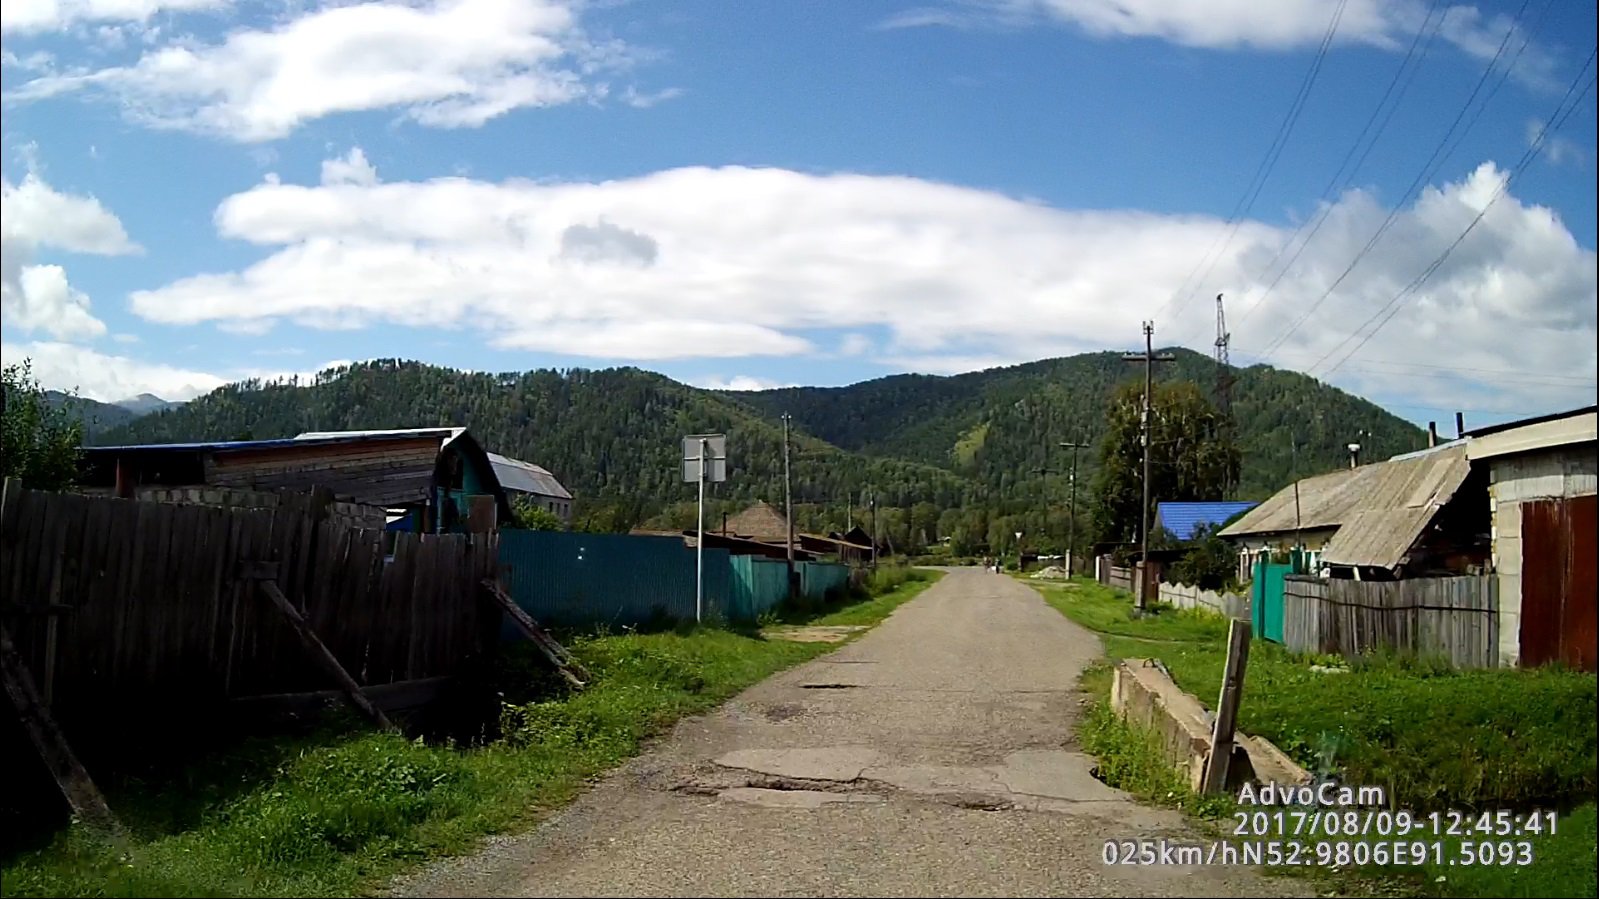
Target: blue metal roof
x,y
1185,519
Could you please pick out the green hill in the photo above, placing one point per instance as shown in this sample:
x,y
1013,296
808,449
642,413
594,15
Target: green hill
x,y
942,455
999,426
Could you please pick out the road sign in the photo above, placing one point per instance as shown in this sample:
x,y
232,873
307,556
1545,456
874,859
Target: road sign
x,y
715,446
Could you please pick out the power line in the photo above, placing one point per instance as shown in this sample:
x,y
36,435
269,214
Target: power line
x,y
1327,192
1263,171
1428,169
1457,370
1391,308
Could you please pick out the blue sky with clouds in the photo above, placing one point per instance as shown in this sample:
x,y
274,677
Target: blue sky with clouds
x,y
753,194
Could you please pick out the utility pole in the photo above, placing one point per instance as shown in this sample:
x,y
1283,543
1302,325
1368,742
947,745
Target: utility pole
x,y
1071,533
1149,359
874,530
788,503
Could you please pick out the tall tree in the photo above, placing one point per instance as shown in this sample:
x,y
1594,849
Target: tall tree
x,y
1191,458
39,440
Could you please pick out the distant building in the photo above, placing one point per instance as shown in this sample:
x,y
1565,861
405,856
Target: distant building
x,y
1184,520
758,522
420,479
535,482
1543,498
1412,515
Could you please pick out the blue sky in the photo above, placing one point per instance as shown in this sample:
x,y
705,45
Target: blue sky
x,y
760,194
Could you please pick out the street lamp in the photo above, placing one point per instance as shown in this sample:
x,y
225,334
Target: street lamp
x,y
1018,551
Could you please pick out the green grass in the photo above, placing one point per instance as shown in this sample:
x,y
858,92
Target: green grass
x,y
1433,737
332,812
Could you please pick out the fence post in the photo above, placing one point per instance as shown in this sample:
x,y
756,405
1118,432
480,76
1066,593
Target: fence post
x,y
1232,686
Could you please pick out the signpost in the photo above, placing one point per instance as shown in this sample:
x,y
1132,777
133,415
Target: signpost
x,y
704,459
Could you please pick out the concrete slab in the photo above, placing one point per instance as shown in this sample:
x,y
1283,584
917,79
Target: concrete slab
x,y
1055,773
935,779
836,763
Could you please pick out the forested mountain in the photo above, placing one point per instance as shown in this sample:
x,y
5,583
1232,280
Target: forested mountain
x,y
955,456
999,426
613,437
96,417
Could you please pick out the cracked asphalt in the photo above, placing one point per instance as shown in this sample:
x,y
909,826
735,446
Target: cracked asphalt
x,y
931,757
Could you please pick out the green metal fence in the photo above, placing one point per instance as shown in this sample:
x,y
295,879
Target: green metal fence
x,y
758,584
1266,594
819,580
617,580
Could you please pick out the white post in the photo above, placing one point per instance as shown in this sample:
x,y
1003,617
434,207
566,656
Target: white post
x,y
699,543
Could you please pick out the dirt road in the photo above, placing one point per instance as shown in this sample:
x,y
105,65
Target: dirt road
x,y
931,757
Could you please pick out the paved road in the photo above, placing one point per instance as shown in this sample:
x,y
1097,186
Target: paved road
x,y
933,756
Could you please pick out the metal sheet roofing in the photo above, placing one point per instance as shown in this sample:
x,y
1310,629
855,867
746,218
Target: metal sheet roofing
x,y
525,477
447,433
1379,509
238,445
1185,519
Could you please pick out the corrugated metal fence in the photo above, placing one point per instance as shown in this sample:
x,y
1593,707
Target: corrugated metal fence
x,y
820,580
576,579
1456,617
758,584
621,580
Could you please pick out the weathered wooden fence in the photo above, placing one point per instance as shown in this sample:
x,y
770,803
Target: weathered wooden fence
x,y
1184,596
1113,576
119,604
1454,617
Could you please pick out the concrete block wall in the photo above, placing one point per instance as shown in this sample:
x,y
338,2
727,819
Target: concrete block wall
x,y
348,514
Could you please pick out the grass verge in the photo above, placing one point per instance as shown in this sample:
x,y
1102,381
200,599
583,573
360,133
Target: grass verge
x,y
335,811
1433,737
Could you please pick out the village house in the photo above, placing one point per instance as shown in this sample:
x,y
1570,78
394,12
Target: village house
x,y
534,482
1543,477
1185,520
1414,515
421,479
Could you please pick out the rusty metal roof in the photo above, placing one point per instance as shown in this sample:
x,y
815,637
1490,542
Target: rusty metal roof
x,y
1379,510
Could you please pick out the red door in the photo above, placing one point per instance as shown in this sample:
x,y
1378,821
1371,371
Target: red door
x,y
1559,593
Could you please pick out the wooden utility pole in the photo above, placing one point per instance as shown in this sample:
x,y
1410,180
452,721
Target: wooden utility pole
x,y
1149,358
1071,532
788,504
1232,687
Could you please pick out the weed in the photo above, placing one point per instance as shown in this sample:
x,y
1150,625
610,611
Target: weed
x,y
332,812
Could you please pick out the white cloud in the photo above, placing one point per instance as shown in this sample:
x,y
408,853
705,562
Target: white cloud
x,y
33,217
1558,150
303,375
442,63
738,382
38,16
351,169
643,100
107,378
125,338
855,344
738,262
1230,24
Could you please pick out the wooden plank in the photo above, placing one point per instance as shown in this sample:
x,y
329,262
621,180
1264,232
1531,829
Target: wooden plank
x,y
1232,686
570,668
323,657
69,774
391,697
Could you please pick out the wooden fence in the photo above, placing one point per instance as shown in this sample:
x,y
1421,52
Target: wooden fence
x,y
1185,596
1454,617
117,605
1113,576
